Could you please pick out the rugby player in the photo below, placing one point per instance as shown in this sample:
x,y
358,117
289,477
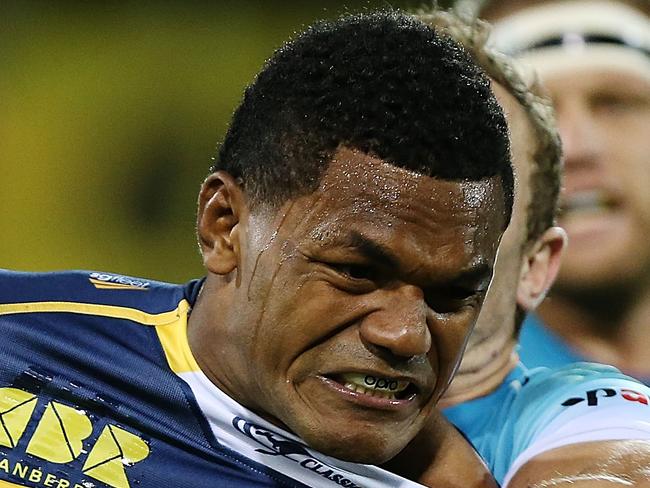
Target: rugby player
x,y
348,230
580,425
594,58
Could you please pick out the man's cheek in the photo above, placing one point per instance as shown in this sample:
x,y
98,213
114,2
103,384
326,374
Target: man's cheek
x,y
449,346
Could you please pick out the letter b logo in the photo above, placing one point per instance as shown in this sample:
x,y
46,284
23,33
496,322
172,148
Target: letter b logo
x,y
60,434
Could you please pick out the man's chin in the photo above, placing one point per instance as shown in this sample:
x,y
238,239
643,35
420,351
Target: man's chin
x,y
352,431
377,448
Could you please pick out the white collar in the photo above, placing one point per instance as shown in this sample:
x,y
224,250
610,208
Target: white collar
x,y
248,434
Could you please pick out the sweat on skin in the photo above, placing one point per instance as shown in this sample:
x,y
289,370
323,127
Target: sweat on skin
x,y
390,269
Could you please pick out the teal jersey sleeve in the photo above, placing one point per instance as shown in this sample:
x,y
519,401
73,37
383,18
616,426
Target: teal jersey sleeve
x,y
538,410
539,346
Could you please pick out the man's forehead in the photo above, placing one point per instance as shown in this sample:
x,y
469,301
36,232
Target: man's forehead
x,y
366,203
366,179
588,77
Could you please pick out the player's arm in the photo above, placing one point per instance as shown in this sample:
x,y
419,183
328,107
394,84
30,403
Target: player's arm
x,y
441,457
584,425
598,464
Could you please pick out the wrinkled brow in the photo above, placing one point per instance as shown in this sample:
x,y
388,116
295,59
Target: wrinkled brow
x,y
352,239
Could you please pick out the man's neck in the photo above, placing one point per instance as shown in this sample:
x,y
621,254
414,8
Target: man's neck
x,y
609,329
482,371
440,456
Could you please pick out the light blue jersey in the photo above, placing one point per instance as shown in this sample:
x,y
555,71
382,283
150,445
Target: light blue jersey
x,y
540,346
537,410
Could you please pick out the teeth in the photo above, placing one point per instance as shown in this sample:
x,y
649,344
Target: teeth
x,y
366,391
588,201
374,385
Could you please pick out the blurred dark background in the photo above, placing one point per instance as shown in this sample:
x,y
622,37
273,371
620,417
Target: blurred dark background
x,y
109,116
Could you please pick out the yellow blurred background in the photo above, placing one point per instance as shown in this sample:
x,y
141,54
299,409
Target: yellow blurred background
x,y
109,116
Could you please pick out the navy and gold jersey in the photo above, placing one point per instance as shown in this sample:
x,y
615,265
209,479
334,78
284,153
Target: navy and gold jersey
x,y
99,389
89,390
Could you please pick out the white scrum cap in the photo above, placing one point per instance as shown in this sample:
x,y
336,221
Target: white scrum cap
x,y
568,35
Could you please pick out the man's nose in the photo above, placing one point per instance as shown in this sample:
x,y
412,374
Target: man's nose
x,y
399,325
581,140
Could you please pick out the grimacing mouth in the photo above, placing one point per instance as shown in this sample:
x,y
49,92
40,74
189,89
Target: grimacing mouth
x,y
588,201
376,386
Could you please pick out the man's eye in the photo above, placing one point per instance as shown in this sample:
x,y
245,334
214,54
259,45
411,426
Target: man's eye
x,y
450,299
355,271
614,103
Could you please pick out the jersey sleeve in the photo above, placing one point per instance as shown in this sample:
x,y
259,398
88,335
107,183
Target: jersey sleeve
x,y
579,403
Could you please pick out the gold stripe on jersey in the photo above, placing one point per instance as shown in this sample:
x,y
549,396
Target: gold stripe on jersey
x,y
171,326
6,484
174,342
111,311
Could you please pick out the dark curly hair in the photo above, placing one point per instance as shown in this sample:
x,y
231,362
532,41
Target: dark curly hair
x,y
383,83
524,85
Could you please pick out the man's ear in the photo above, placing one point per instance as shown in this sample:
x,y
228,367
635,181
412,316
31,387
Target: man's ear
x,y
541,263
222,206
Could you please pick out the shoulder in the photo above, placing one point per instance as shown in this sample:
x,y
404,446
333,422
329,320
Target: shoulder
x,y
88,287
575,420
573,384
80,317
531,405
82,363
533,391
583,402
539,346
562,395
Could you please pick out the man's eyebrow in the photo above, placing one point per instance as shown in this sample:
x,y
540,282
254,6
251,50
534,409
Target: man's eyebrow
x,y
370,248
479,274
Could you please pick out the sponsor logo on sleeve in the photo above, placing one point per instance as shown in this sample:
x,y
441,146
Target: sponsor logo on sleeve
x,y
107,281
273,444
594,397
